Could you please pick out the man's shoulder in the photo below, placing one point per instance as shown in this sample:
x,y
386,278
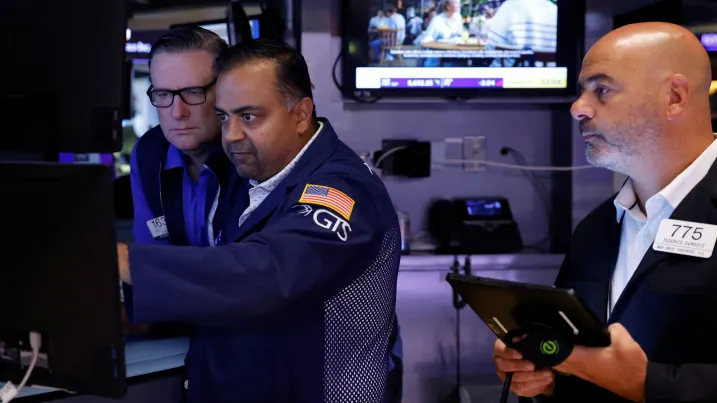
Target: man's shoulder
x,y
350,181
345,164
353,177
152,140
341,177
149,149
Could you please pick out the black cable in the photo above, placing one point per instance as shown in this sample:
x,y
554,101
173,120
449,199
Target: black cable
x,y
458,352
458,304
506,388
341,88
539,189
540,343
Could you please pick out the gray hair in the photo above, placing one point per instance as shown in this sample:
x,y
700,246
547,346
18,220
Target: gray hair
x,y
187,39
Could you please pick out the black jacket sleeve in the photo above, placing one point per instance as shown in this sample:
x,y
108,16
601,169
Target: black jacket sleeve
x,y
694,383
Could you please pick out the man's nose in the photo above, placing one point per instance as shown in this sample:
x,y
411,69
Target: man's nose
x,y
179,108
581,110
233,132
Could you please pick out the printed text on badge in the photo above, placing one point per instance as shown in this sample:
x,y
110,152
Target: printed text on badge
x,y
686,238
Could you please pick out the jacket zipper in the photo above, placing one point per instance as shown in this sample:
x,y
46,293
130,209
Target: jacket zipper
x,y
161,201
212,212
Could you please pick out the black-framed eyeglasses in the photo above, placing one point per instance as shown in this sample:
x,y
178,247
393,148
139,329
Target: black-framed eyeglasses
x,y
189,95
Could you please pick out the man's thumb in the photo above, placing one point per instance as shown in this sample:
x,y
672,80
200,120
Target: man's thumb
x,y
617,332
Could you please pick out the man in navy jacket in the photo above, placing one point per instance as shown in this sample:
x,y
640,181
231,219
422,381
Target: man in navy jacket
x,y
296,303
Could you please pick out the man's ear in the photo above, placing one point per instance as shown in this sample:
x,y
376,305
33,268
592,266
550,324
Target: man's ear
x,y
679,92
304,110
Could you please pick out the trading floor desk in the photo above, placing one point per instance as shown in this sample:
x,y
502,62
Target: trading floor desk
x,y
154,374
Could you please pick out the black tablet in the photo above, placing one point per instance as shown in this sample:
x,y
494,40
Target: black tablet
x,y
507,306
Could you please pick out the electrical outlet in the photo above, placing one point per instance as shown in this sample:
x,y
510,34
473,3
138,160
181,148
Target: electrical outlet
x,y
438,154
473,150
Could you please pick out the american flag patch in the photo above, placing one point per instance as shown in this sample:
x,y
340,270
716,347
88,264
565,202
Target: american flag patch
x,y
328,197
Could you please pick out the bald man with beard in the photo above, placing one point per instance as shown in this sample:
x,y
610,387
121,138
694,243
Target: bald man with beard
x,y
642,260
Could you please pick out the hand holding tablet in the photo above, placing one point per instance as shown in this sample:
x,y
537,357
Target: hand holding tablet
x,y
537,328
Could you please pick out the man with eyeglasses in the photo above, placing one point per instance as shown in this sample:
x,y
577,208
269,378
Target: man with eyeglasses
x,y
177,168
179,172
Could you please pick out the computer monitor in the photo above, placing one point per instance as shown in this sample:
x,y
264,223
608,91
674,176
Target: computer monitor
x,y
219,27
255,27
240,29
60,277
63,83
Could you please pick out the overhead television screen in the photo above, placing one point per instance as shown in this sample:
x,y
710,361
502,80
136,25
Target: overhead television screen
x,y
461,47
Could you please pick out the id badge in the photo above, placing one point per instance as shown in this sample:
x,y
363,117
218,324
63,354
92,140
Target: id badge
x,y
686,238
158,228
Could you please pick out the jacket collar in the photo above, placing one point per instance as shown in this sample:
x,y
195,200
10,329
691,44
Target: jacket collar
x,y
673,194
699,205
271,183
177,159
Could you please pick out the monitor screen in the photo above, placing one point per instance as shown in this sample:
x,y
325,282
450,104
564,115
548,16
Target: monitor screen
x,y
484,208
82,344
138,44
709,41
69,67
254,24
474,46
219,28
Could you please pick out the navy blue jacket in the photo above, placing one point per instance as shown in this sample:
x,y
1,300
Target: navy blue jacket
x,y
161,190
157,191
298,303
668,306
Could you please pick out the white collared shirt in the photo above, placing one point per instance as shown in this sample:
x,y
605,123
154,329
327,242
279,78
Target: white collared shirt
x,y
639,230
260,190
442,28
525,24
